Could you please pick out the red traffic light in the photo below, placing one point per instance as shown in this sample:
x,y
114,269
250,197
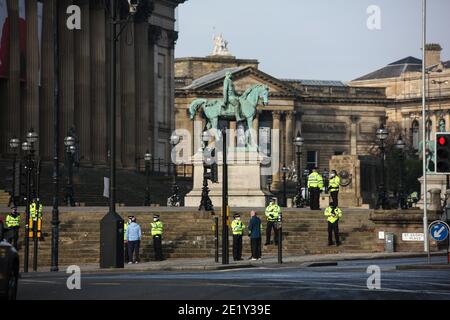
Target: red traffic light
x,y
442,141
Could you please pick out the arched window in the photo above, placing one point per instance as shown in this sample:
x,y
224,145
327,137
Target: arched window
x,y
415,134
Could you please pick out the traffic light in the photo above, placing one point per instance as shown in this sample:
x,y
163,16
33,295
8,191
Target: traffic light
x,y
443,152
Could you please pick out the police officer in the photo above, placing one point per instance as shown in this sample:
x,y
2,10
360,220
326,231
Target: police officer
x,y
333,214
333,187
157,232
125,242
238,229
272,212
12,225
35,217
315,185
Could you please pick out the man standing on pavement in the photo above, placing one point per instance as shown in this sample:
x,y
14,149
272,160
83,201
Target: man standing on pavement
x,y
272,212
133,237
12,225
333,187
125,243
157,232
333,214
238,229
254,232
315,185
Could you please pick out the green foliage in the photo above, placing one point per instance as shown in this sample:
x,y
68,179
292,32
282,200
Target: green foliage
x,y
410,167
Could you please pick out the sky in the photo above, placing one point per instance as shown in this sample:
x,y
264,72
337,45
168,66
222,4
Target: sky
x,y
320,39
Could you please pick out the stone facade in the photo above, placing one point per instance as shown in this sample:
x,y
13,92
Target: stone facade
x,y
145,86
405,91
333,118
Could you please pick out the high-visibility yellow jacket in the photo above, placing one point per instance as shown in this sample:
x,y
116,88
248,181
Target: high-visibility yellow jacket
x,y
157,228
125,226
315,180
272,212
11,221
237,227
33,210
334,184
333,215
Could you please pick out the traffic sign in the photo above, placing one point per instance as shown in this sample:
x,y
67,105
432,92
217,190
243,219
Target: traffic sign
x,y
439,230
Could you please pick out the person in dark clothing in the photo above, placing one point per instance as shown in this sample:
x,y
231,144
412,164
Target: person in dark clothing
x,y
254,232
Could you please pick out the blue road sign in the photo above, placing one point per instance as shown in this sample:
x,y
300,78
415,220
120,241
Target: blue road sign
x,y
439,230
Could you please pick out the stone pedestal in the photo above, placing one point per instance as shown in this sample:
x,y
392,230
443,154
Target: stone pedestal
x,y
348,168
244,181
433,182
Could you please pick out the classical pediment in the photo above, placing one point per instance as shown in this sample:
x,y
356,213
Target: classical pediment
x,y
243,77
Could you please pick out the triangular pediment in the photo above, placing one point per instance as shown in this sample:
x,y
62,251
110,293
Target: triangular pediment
x,y
243,77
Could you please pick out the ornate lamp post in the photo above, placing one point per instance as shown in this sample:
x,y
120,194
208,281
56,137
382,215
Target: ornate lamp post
x,y
28,146
69,143
14,144
284,171
400,145
147,160
382,134
206,203
174,200
298,142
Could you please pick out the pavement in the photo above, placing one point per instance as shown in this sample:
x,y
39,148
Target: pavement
x,y
208,264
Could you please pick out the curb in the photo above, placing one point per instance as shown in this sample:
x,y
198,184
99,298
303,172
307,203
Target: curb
x,y
424,267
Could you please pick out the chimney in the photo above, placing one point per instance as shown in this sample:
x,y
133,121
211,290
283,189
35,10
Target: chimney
x,y
432,54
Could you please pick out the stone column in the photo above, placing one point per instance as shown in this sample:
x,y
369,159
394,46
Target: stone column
x,y
276,150
66,73
435,123
289,137
447,120
256,127
354,135
47,81
127,99
99,84
12,125
83,85
30,118
142,92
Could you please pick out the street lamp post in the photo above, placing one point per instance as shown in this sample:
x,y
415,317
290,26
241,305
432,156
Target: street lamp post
x,y
147,160
284,171
174,200
298,142
382,134
205,202
14,144
28,146
69,142
400,145
225,209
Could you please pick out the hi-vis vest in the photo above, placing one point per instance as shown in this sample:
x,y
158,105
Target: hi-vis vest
x,y
11,221
334,184
333,215
33,211
238,227
315,180
274,210
157,228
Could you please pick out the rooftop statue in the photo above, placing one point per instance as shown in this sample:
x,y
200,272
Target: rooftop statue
x,y
220,46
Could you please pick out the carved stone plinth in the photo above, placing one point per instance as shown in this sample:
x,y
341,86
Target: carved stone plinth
x,y
244,181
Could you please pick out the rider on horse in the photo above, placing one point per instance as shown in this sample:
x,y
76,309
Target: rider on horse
x,y
230,97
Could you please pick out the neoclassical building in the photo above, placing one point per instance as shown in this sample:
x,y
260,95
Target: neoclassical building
x,y
403,82
333,118
145,74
